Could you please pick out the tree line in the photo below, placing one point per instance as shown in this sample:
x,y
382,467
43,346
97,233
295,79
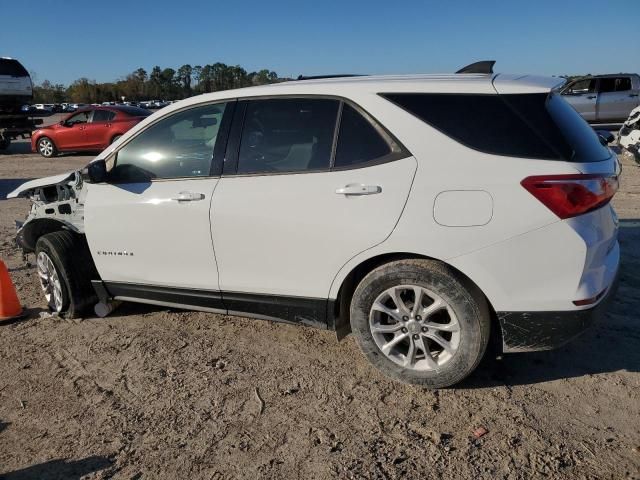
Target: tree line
x,y
160,83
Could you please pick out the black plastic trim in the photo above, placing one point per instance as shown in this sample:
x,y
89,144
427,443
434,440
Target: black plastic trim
x,y
533,331
315,312
222,139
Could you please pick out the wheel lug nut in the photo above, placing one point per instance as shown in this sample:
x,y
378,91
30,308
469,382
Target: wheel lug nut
x,y
404,330
405,318
415,337
424,329
418,317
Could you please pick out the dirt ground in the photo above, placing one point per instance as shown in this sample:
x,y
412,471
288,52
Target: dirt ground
x,y
157,393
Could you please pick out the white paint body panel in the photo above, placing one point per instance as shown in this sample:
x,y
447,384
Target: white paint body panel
x,y
170,240
290,234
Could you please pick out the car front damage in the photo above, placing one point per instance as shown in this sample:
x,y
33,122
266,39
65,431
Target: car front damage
x,y
57,204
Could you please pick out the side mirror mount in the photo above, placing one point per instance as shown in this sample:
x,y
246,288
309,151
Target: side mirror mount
x,y
605,137
95,172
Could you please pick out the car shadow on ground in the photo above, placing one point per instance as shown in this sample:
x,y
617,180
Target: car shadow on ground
x,y
612,344
57,469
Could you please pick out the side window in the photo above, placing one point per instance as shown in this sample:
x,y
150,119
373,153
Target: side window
x,y
287,135
180,145
82,117
615,84
358,140
102,116
588,85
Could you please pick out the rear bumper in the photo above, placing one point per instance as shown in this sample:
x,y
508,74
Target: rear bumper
x,y
533,331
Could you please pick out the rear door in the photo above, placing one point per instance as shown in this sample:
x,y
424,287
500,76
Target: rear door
x,y
96,132
582,96
300,196
616,98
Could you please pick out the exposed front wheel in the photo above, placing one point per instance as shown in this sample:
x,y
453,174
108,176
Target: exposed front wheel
x,y
46,147
420,322
65,270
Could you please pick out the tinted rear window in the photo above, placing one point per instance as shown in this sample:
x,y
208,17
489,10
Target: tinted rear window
x,y
12,67
135,111
523,125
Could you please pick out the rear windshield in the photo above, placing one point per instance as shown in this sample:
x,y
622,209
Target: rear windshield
x,y
12,67
537,125
135,111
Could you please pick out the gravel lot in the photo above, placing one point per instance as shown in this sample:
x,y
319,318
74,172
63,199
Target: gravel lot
x,y
157,393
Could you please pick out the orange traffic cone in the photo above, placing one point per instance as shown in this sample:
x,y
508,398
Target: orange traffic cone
x,y
9,304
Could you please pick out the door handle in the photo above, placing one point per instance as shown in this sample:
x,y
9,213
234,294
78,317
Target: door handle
x,y
188,197
359,189
633,94
591,97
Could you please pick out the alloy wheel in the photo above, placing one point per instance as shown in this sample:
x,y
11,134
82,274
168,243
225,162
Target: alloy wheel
x,y
414,327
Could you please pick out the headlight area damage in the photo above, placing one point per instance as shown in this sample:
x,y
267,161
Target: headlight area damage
x,y
57,204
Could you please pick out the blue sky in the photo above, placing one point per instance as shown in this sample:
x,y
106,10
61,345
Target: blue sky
x,y
62,40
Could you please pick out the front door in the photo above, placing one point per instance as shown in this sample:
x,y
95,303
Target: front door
x,y
148,227
70,134
298,199
582,96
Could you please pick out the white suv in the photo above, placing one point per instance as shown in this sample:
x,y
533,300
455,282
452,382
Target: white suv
x,y
423,213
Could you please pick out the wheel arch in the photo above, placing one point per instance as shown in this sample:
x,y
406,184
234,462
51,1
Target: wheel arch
x,y
341,305
31,231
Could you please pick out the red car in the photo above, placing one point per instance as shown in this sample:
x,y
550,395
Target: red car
x,y
87,129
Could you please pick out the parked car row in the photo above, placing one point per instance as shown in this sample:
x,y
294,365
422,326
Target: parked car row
x,y
72,107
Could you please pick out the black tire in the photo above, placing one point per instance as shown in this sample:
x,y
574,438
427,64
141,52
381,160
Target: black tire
x,y
71,258
466,301
5,143
115,139
44,150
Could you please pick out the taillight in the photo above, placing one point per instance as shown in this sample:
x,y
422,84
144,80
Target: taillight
x,y
571,195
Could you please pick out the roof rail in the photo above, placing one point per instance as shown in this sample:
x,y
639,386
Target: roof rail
x,y
318,77
484,66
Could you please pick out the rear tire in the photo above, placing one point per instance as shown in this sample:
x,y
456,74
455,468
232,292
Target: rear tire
x,y
46,147
435,344
65,256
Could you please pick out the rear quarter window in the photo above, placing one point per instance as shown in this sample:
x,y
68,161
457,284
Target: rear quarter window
x,y
539,126
12,68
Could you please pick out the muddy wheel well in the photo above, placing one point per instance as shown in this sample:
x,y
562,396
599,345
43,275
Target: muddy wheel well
x,y
33,230
343,302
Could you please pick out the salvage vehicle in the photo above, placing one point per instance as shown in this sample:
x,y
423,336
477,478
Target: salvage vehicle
x,y
629,134
604,98
424,213
87,129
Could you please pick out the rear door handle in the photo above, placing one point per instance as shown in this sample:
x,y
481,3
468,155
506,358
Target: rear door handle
x,y
188,197
633,95
359,189
591,97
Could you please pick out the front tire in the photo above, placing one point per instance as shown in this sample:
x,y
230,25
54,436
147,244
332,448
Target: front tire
x,y
46,147
65,270
420,322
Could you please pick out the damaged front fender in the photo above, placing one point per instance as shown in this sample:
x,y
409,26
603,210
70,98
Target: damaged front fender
x,y
57,204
